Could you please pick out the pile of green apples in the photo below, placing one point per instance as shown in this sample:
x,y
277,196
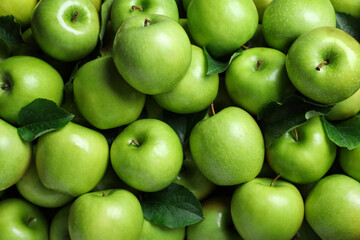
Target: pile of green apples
x,y
164,93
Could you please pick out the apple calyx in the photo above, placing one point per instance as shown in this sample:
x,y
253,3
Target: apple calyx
x,y
146,22
133,8
5,86
322,64
31,219
258,65
273,181
75,16
133,142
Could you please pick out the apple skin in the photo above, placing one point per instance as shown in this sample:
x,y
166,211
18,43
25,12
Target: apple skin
x,y
110,214
306,159
21,220
222,26
217,223
261,6
72,160
195,92
261,211
346,108
155,163
159,57
151,231
22,10
350,162
15,155
228,148
285,20
59,224
60,37
332,208
21,86
347,6
113,102
97,4
257,77
333,82
121,10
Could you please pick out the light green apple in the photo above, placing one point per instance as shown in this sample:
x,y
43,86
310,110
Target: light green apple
x,y
113,102
151,231
303,155
285,20
152,53
110,214
217,223
67,30
184,23
22,220
122,10
20,86
72,160
333,208
350,162
15,155
346,108
261,6
222,26
347,6
97,4
257,77
22,10
59,229
228,148
147,155
263,209
31,188
323,65
195,92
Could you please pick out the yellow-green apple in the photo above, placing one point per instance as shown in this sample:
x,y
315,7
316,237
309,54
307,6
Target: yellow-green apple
x,y
350,162
345,108
22,10
151,231
347,6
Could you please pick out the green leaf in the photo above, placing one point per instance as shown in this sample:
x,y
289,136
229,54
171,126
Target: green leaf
x,y
174,207
349,24
344,133
105,13
216,66
39,117
10,31
278,118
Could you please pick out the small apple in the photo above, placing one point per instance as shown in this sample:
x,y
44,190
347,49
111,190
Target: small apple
x,y
66,30
152,53
261,6
110,214
59,229
152,231
20,86
346,108
22,10
147,155
347,6
350,162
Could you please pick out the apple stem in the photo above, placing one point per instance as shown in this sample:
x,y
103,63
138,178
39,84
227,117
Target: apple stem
x,y
244,47
5,86
31,219
296,135
103,194
135,142
212,109
273,181
147,22
136,7
258,65
75,16
321,64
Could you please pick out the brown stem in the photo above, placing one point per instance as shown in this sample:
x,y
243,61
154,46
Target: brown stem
x,y
244,47
277,177
296,135
321,64
31,219
103,194
75,16
258,65
137,7
5,86
135,142
212,109
147,22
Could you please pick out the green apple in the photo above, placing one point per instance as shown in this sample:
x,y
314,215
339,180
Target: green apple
x,y
97,4
228,148
22,10
285,20
195,92
350,162
346,108
264,209
333,208
110,214
59,224
217,223
261,6
72,160
20,86
67,30
147,155
303,155
323,65
222,26
152,53
122,10
31,188
15,155
347,6
257,77
151,231
113,102
21,220
184,23
186,4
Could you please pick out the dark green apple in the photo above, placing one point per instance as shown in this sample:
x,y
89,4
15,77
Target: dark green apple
x,y
186,4
350,162
59,224
152,53
151,231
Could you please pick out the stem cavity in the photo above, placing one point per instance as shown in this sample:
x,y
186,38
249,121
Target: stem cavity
x,y
133,8
75,16
147,22
322,64
31,219
133,142
273,181
5,86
